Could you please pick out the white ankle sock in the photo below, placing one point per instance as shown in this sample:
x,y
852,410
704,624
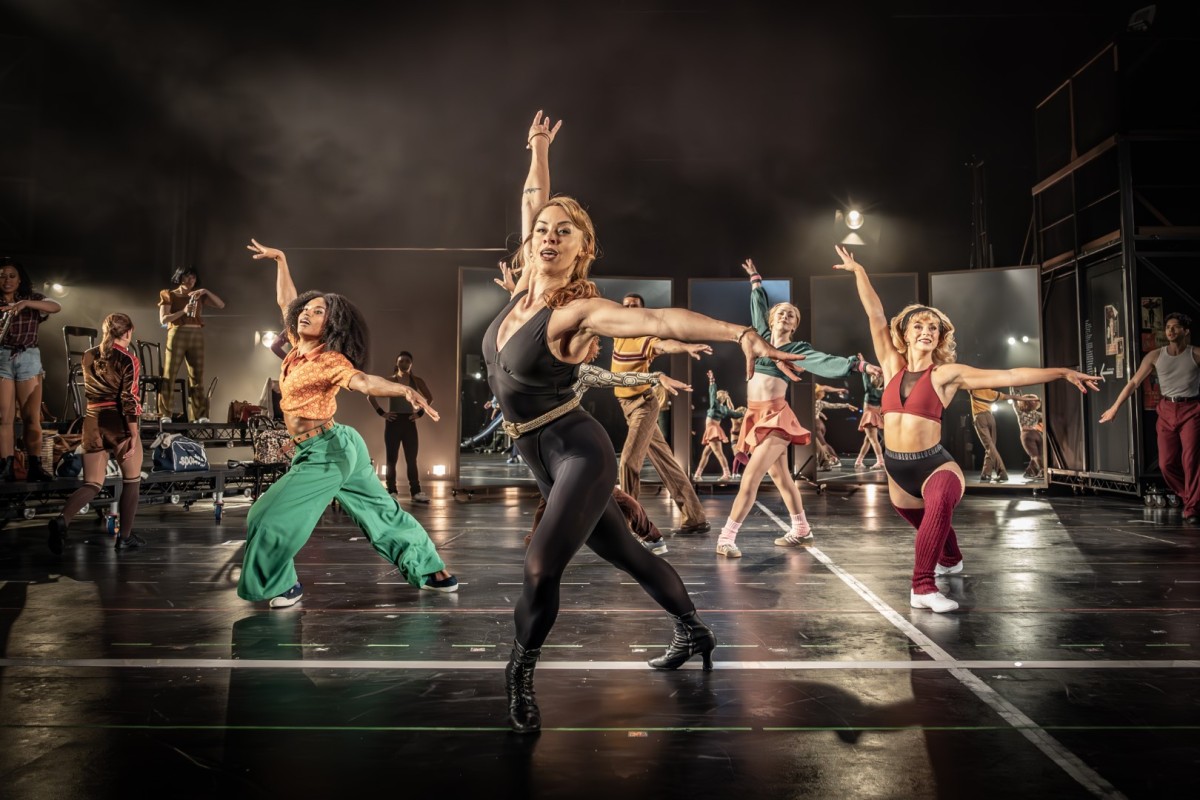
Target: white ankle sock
x,y
729,532
800,526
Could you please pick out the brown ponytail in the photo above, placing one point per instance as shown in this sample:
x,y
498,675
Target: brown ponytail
x,y
114,327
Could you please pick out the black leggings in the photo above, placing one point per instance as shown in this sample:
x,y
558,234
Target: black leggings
x,y
573,461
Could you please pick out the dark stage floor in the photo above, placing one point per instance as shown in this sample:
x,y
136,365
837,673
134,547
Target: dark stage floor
x,y
1070,671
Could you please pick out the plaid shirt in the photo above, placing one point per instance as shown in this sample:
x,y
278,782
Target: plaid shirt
x,y
23,332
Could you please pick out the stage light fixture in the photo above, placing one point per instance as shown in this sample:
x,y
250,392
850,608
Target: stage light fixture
x,y
1012,340
1025,339
266,338
439,470
56,289
854,219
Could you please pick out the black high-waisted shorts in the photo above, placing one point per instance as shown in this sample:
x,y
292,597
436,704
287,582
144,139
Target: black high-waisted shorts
x,y
909,470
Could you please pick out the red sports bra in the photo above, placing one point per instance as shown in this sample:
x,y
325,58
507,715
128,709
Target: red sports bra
x,y
922,400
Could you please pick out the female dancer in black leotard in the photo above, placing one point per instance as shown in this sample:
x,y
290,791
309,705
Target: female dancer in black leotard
x,y
916,352
533,350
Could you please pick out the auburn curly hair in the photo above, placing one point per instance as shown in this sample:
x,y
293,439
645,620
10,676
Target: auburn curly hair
x,y
944,353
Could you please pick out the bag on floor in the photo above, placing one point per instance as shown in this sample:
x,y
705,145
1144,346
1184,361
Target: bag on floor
x,y
173,452
70,464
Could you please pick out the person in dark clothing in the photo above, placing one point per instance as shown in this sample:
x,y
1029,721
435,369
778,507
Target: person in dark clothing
x,y
400,429
533,350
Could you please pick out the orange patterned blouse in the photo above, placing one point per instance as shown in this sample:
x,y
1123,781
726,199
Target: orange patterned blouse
x,y
309,383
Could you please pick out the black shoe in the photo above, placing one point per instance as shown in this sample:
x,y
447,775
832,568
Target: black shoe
x,y
37,472
702,527
523,713
1194,519
58,534
392,490
133,542
448,584
691,636
6,469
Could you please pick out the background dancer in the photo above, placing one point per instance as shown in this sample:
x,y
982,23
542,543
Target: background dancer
x,y
22,310
181,309
916,351
110,428
713,440
400,428
827,457
329,344
770,426
532,350
871,422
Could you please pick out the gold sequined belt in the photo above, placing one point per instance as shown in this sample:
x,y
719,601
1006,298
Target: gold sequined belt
x,y
518,429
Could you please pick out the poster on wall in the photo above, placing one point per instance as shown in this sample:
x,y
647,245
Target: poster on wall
x,y
1111,329
1152,315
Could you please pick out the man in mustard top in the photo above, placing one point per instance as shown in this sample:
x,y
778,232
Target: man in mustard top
x,y
641,404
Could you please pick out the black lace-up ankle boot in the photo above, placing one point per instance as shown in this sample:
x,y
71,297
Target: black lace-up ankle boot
x,y
691,636
523,714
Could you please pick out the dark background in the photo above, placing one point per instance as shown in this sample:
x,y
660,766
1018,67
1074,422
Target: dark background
x,y
389,139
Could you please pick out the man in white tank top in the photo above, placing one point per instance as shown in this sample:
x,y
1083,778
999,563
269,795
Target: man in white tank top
x,y
1178,370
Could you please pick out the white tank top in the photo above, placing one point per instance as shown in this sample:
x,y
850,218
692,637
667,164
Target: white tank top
x,y
1178,376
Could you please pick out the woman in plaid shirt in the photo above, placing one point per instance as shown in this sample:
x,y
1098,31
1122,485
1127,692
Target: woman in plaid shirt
x,y
21,366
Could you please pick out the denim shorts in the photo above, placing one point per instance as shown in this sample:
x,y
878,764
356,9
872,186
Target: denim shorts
x,y
22,366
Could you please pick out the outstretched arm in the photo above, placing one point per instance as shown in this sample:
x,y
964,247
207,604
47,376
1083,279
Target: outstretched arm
x,y
285,290
601,317
591,376
375,386
881,335
964,376
666,346
1143,372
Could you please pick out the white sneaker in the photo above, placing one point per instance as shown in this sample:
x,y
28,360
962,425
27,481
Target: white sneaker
x,y
954,570
790,540
203,420
728,549
420,497
658,547
936,602
165,420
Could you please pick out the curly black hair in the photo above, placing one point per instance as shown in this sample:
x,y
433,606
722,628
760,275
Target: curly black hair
x,y
25,285
345,328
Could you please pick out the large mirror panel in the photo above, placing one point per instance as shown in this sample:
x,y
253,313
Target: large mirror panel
x,y
997,437
486,457
727,300
839,327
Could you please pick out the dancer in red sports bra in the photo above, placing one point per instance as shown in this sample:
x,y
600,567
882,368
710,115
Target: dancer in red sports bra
x,y
916,352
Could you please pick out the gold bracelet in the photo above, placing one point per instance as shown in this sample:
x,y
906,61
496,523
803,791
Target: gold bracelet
x,y
745,330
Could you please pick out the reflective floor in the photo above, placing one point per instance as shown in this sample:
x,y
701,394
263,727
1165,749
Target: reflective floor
x,y
1070,670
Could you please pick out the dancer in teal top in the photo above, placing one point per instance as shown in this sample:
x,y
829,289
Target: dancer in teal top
x,y
720,408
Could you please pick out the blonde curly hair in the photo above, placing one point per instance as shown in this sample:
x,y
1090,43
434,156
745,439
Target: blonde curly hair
x,y
944,353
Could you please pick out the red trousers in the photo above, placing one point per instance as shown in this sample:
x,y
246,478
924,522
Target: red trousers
x,y
1179,451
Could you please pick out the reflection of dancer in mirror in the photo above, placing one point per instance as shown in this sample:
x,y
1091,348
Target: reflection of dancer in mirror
x,y
181,310
827,457
23,310
916,351
1029,415
871,422
110,429
984,420
720,408
770,426
533,350
1178,426
329,345
740,459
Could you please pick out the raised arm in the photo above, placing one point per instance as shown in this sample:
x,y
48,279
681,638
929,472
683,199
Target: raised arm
x,y
1143,372
536,190
881,336
285,290
759,302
